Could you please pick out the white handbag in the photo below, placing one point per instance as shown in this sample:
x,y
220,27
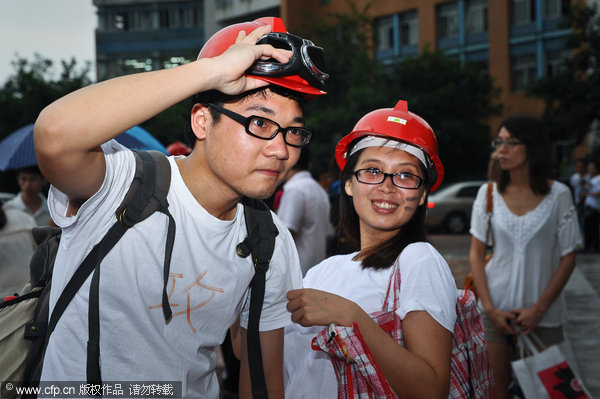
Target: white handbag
x,y
547,373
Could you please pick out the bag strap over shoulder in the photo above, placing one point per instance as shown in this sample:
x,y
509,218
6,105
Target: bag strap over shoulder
x,y
260,242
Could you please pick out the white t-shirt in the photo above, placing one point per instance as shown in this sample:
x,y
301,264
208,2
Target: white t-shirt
x,y
16,247
208,286
41,215
304,208
426,284
527,249
593,188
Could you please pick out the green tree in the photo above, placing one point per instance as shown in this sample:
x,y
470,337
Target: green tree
x,y
572,95
33,86
456,100
352,87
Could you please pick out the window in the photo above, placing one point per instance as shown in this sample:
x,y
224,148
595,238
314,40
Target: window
x,y
553,9
554,60
141,20
223,4
476,16
522,12
447,19
120,22
523,71
385,33
409,28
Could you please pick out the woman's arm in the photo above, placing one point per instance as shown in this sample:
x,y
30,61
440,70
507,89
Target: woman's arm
x,y
421,370
528,318
499,318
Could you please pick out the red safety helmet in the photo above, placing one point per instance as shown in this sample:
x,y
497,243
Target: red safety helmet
x,y
397,124
178,148
223,39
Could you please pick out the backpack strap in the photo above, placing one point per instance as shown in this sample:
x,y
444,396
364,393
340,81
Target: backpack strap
x,y
146,195
260,242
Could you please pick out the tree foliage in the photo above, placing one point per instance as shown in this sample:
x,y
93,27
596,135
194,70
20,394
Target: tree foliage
x,y
456,100
572,95
33,86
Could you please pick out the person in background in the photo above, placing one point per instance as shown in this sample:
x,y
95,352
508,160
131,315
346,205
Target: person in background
x,y
535,235
30,199
304,208
389,165
578,183
16,248
591,223
247,126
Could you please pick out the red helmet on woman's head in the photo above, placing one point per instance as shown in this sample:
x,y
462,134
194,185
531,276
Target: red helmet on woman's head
x,y
307,62
396,124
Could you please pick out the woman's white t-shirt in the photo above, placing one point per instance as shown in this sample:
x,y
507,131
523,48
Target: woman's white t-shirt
x,y
208,286
426,284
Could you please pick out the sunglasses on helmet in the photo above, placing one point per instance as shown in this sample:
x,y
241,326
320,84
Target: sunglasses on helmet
x,y
307,60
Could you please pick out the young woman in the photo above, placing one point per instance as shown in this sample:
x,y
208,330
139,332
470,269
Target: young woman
x,y
535,233
389,165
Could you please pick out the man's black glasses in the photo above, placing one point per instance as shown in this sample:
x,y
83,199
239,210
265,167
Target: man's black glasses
x,y
376,176
266,129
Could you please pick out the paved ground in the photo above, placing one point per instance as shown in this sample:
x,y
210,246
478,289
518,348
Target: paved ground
x,y
583,303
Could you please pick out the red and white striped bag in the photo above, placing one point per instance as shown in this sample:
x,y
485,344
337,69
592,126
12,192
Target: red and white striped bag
x,y
359,376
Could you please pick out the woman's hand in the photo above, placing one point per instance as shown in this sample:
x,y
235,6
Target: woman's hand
x,y
234,62
527,318
319,308
501,321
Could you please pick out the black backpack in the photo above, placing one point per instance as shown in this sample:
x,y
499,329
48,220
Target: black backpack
x,y
25,322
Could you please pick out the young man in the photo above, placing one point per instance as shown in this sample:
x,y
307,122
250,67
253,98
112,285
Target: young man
x,y
30,199
234,155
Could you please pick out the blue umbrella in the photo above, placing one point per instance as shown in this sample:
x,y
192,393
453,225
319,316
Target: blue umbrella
x,y
138,138
17,151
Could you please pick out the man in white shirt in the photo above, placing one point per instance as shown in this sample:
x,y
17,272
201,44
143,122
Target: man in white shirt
x,y
304,208
592,208
30,199
237,151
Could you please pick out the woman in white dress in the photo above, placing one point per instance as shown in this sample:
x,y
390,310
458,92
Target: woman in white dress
x,y
535,234
389,165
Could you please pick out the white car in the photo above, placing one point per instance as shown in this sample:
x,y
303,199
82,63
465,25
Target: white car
x,y
449,208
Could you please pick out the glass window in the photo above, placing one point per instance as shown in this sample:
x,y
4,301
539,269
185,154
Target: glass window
x,y
409,28
447,19
523,71
555,8
120,22
554,60
476,16
522,12
141,20
385,33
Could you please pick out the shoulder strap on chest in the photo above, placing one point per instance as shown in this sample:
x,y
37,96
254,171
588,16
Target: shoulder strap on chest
x,y
260,242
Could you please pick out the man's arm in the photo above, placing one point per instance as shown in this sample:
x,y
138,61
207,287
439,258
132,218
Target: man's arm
x,y
69,131
271,344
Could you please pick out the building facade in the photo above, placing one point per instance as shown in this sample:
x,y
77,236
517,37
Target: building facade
x,y
514,41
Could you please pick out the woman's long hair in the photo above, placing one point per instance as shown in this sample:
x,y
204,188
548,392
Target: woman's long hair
x,y
531,132
383,255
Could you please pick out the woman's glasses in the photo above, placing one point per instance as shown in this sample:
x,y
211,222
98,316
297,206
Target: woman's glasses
x,y
376,176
